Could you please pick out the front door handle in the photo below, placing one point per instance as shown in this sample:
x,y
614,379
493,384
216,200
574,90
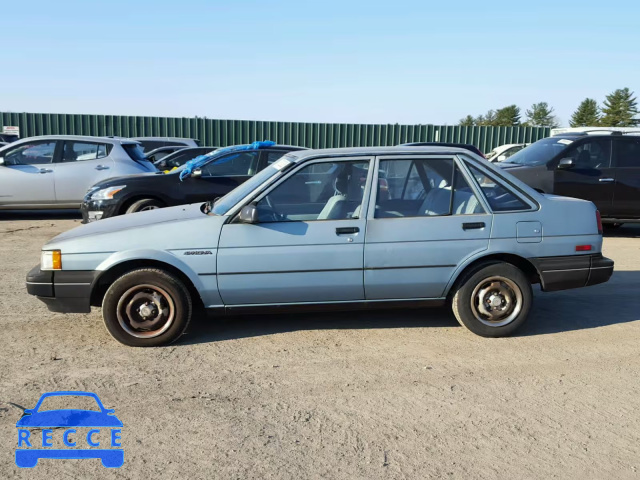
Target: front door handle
x,y
346,230
606,180
102,167
45,170
472,225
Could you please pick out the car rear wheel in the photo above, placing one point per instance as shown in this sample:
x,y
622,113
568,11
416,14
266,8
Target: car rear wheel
x,y
144,204
147,308
494,300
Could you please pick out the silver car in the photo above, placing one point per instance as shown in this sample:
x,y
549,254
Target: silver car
x,y
56,171
332,229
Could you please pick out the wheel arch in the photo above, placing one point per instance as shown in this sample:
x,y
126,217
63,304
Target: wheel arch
x,y
118,268
140,196
473,265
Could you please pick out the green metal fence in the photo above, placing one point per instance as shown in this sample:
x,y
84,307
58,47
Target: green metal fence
x,y
232,132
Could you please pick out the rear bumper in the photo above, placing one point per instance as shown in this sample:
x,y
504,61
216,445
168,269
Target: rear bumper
x,y
575,271
62,291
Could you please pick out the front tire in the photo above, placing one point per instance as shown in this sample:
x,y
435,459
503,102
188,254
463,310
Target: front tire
x,y
144,205
147,308
494,300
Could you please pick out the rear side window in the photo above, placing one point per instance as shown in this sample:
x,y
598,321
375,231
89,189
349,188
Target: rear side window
x,y
499,197
80,151
628,153
134,151
423,188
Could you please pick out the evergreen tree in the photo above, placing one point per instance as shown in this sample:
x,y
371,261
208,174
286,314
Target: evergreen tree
x,y
467,121
507,117
587,114
486,120
620,109
541,115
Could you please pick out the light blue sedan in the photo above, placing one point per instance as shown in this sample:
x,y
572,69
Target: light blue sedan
x,y
332,229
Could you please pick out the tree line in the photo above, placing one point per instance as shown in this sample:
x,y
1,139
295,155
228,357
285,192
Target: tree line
x,y
619,109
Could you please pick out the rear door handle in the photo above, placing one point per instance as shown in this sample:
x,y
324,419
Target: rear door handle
x,y
102,167
45,170
346,230
606,180
472,225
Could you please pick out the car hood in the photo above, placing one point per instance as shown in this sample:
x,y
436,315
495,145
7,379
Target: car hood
x,y
69,418
122,180
510,166
164,228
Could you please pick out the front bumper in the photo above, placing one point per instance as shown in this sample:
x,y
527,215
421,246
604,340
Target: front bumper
x,y
62,291
574,271
93,210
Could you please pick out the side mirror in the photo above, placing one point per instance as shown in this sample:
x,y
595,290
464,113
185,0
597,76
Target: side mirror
x,y
2,161
248,214
565,164
197,173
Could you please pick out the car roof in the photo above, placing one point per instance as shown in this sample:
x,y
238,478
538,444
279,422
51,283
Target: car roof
x,y
167,139
301,155
86,138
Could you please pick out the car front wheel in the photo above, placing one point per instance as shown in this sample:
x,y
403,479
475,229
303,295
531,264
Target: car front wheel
x,y
147,308
144,204
494,300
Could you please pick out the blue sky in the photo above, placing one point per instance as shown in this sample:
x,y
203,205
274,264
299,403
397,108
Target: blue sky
x,y
327,61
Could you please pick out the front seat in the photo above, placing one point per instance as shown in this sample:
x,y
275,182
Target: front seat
x,y
336,204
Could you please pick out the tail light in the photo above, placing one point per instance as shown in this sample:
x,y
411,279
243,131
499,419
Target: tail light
x,y
599,221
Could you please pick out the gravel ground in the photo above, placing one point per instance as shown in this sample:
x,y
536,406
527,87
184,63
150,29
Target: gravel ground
x,y
388,394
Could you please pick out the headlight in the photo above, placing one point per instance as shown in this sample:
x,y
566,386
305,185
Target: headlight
x,y
106,193
51,260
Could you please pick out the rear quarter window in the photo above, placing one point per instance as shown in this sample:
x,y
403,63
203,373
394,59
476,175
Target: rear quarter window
x,y
499,197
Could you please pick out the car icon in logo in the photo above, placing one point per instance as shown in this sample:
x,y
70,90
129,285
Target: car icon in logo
x,y
104,429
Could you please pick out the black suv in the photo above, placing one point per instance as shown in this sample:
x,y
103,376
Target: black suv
x,y
602,168
223,172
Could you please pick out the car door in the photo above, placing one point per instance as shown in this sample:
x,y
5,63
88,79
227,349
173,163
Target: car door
x,y
220,176
309,243
26,177
591,176
425,220
626,198
80,165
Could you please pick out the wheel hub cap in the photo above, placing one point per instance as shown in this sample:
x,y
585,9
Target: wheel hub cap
x,y
145,311
496,301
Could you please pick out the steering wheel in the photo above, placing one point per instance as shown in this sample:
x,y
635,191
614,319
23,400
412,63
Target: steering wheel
x,y
267,213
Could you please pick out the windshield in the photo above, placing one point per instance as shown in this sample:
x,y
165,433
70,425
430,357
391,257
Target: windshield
x,y
223,205
541,152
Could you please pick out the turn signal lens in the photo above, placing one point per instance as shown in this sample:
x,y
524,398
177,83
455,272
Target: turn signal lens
x,y
51,260
583,248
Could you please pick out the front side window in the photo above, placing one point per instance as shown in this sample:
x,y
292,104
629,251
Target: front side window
x,y
500,199
32,153
628,153
237,164
423,187
78,151
594,153
321,191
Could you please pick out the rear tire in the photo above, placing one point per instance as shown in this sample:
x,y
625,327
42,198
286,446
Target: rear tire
x,y
493,300
144,204
147,308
